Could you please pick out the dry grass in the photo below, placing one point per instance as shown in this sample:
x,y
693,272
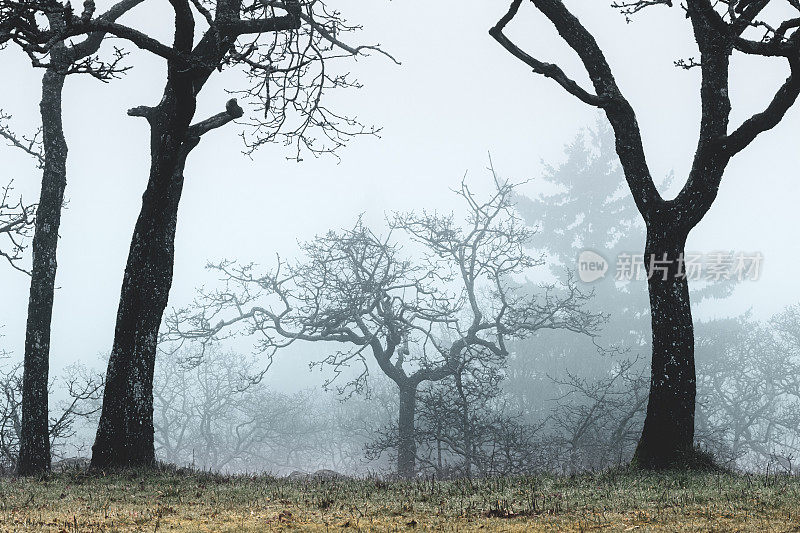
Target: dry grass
x,y
613,501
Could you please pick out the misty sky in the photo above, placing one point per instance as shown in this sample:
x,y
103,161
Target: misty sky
x,y
457,97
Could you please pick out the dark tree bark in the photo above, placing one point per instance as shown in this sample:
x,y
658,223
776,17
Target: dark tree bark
x,y
35,455
312,36
125,435
34,452
668,433
287,78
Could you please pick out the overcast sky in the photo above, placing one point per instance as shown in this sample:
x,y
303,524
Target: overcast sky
x,y
456,98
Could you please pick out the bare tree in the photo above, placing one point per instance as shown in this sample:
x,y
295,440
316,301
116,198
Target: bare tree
x,y
286,49
748,414
421,321
10,416
214,412
466,428
83,390
720,29
594,422
60,57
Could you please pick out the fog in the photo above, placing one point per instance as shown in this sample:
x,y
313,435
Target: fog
x,y
457,104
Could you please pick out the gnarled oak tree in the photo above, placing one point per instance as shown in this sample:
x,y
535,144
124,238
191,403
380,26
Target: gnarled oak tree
x,y
422,320
57,50
720,28
285,48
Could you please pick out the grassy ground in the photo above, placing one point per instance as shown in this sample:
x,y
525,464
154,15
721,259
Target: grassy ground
x,y
613,501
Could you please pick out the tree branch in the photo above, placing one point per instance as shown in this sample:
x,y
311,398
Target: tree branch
x,y
267,25
232,112
92,43
548,70
619,112
31,146
784,99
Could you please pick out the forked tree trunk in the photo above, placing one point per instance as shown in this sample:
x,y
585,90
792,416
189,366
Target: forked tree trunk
x,y
667,437
125,435
407,442
34,450
669,427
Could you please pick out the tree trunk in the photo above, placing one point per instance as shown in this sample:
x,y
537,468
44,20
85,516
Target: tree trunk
x,y
465,425
668,434
407,444
125,434
34,451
